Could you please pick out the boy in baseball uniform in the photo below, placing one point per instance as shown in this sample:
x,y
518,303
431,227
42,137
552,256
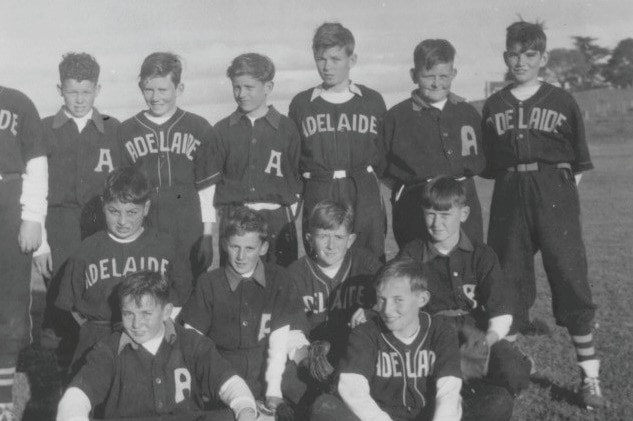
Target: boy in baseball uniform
x,y
435,132
154,367
258,153
339,123
536,151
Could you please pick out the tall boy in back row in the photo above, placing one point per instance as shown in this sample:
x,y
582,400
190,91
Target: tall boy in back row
x,y
434,132
535,146
339,123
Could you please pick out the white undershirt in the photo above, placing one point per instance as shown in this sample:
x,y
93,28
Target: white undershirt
x,y
159,119
524,92
80,121
337,97
127,240
439,104
331,271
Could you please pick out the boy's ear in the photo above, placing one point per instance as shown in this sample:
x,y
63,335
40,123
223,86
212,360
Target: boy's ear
x,y
59,89
264,248
352,60
544,58
167,310
268,86
414,75
423,298
97,89
464,213
180,89
505,58
351,239
146,207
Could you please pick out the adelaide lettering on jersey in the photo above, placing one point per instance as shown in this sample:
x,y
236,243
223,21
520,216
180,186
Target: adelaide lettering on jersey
x,y
413,364
179,143
9,121
112,267
539,118
341,299
359,123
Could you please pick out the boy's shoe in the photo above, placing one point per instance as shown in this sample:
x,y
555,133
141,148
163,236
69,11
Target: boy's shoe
x,y
591,394
535,327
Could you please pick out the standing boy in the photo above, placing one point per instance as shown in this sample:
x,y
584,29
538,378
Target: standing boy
x,y
83,150
535,146
248,307
434,132
23,190
91,278
339,122
258,152
173,148
153,367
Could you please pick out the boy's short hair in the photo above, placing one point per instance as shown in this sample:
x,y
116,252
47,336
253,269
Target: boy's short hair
x,y
333,34
79,66
430,52
403,267
126,185
139,284
442,193
161,64
530,36
329,215
258,66
244,220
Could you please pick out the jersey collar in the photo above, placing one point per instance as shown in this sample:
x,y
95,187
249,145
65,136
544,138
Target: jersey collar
x,y
170,337
341,275
319,90
418,104
61,118
234,278
272,116
429,252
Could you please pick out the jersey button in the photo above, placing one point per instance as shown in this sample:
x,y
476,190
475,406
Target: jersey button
x,y
455,274
253,141
158,380
450,152
245,323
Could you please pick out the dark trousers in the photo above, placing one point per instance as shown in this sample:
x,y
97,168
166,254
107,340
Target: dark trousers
x,y
534,211
408,219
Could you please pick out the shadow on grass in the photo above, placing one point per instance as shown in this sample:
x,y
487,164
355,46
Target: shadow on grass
x,y
557,393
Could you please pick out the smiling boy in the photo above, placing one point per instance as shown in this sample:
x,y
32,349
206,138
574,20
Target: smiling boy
x,y
258,152
174,150
434,132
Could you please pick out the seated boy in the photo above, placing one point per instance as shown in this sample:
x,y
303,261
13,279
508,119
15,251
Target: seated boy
x,y
337,278
258,153
402,365
433,132
248,307
92,275
467,285
153,366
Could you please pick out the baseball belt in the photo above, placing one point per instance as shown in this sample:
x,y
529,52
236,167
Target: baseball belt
x,y
337,174
538,166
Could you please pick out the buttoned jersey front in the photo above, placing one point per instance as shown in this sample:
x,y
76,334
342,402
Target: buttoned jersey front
x,y
259,160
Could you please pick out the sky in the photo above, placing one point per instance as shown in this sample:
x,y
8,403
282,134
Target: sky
x,y
208,34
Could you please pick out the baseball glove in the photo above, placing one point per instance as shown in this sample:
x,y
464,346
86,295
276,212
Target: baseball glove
x,y
475,353
318,365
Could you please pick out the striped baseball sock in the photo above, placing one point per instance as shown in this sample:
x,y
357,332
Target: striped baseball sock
x,y
586,354
6,385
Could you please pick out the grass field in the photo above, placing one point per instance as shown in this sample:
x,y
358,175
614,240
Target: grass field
x,y
607,215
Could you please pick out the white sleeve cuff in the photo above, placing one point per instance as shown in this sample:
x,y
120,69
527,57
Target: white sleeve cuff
x,y
236,395
296,340
500,325
277,357
35,190
354,390
74,406
206,204
448,400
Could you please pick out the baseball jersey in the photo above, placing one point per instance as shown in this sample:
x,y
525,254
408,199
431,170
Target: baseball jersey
x,y
79,163
402,377
469,278
20,131
259,160
423,141
131,382
547,128
329,303
239,314
92,275
339,136
177,152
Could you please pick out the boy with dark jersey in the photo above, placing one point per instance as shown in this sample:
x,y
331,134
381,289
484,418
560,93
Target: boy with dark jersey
x,y
82,151
154,367
258,152
534,140
250,309
93,274
336,280
434,132
339,123
402,365
173,148
23,191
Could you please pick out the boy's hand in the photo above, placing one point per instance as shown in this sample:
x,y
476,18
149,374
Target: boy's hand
x,y
30,236
272,402
247,414
44,264
358,318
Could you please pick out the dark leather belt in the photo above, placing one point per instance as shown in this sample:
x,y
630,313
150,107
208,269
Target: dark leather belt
x,y
538,166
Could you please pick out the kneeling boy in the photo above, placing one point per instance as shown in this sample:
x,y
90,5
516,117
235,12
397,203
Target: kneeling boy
x,y
153,367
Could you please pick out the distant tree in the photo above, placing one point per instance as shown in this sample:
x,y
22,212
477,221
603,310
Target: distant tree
x,y
569,67
593,55
619,68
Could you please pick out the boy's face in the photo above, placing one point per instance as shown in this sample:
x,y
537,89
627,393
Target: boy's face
x,y
434,84
443,226
144,322
334,66
160,94
244,251
331,246
524,65
399,307
79,96
125,220
251,94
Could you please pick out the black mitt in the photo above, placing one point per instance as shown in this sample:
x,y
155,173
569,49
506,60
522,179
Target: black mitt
x,y
318,365
475,353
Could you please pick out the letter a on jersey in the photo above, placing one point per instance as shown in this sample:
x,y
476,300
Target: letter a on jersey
x,y
105,160
274,163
